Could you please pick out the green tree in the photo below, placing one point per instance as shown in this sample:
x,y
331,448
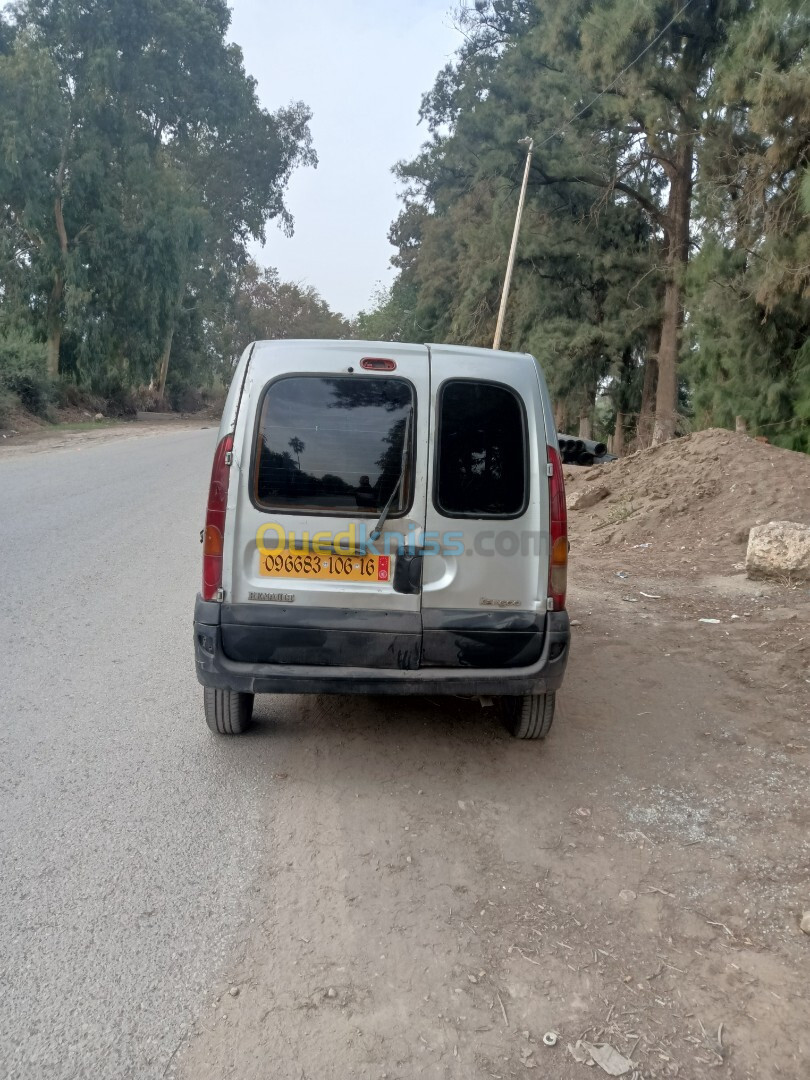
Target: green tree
x,y
584,251
134,161
749,287
263,307
616,96
392,315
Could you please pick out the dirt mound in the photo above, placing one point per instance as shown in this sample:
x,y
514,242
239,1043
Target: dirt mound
x,y
699,493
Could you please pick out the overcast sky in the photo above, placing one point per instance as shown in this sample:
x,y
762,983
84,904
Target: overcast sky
x,y
362,67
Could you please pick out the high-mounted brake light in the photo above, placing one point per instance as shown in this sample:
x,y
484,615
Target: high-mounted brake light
x,y
558,532
214,534
378,363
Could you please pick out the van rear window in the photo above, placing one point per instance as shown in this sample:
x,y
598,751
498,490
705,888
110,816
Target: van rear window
x,y
482,451
334,445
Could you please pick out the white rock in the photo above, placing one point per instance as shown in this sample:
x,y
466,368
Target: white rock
x,y
805,923
779,549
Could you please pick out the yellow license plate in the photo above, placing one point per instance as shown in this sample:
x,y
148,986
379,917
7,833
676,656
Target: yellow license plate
x,y
325,567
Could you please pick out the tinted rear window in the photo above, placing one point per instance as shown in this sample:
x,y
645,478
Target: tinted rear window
x,y
482,451
333,445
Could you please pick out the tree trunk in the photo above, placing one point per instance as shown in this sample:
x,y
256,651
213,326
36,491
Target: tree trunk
x,y
560,417
678,216
620,394
54,323
586,407
54,343
618,435
164,362
54,309
644,427
167,342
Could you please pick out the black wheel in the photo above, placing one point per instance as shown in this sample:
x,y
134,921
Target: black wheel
x,y
227,712
529,716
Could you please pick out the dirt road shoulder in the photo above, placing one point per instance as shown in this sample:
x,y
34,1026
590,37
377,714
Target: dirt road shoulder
x,y
42,440
436,897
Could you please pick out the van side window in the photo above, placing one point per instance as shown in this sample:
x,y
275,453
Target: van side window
x,y
334,445
481,451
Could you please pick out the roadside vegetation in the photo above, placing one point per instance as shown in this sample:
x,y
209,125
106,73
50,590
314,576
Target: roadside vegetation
x,y
663,270
136,166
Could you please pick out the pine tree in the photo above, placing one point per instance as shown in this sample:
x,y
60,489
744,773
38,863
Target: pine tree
x,y
749,286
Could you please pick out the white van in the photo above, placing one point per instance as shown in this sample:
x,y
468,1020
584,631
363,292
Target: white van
x,y
384,519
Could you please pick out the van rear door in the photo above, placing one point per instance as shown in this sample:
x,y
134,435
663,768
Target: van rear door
x,y
333,438
484,594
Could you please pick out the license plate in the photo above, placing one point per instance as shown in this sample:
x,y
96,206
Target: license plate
x,y
326,567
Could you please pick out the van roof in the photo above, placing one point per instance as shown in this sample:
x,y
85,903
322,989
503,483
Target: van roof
x,y
351,345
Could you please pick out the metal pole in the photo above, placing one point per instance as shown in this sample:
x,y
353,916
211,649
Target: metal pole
x,y
510,265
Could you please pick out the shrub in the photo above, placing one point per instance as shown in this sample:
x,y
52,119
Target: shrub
x,y
68,395
119,399
185,399
8,404
214,398
23,372
71,396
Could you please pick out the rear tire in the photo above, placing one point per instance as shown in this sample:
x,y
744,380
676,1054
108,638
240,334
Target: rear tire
x,y
227,712
529,716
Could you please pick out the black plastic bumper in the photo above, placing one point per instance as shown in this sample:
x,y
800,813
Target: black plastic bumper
x,y
215,668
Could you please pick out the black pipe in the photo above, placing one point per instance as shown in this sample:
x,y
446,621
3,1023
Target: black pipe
x,y
580,445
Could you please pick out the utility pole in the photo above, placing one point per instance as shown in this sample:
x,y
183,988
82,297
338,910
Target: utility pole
x,y
510,265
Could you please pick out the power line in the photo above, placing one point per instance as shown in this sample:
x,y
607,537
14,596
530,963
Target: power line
x,y
621,74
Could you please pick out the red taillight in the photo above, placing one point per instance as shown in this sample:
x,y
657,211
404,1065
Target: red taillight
x,y
214,534
558,532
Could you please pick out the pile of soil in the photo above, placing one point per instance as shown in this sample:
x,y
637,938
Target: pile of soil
x,y
701,494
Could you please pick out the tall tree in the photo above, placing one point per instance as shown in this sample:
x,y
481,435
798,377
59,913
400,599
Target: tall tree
x,y
749,287
616,95
263,307
655,62
583,248
133,150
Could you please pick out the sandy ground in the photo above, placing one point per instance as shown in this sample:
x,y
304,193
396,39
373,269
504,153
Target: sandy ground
x,y
436,897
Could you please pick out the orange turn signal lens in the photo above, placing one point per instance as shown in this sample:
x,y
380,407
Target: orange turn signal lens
x,y
212,541
559,551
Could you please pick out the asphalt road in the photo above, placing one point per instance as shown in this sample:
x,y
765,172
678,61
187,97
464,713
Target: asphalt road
x,y
127,837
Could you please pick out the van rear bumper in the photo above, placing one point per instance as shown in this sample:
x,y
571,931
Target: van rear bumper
x,y
216,669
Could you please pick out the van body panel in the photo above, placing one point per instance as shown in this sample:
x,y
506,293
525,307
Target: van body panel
x,y
275,360
464,605
231,407
504,564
